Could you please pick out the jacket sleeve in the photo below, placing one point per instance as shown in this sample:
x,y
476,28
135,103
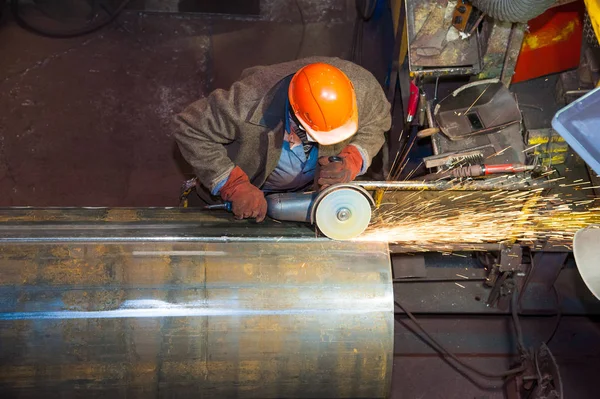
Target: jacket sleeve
x,y
205,127
372,124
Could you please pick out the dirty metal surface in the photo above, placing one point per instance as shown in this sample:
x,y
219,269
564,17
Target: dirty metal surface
x,y
271,10
236,7
162,319
509,139
451,290
513,51
141,224
434,42
127,225
498,35
477,108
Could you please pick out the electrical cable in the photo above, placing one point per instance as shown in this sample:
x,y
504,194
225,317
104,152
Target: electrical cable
x,y
433,343
14,7
356,48
557,299
359,48
514,305
354,45
369,9
301,44
558,316
364,12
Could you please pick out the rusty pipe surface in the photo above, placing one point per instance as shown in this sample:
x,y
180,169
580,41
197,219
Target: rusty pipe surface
x,y
260,319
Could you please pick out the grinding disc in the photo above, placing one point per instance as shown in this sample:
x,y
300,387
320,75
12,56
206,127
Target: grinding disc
x,y
343,214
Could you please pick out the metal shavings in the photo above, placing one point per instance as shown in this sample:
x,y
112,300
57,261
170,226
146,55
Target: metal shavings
x,y
574,184
499,152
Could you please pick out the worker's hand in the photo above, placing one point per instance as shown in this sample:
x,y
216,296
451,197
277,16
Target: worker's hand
x,y
247,201
340,172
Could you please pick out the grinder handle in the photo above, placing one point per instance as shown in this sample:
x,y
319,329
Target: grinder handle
x,y
224,206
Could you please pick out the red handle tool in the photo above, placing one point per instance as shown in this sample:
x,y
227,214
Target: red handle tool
x,y
413,101
506,168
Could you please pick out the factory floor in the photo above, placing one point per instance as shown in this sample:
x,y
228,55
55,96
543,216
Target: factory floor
x,y
88,122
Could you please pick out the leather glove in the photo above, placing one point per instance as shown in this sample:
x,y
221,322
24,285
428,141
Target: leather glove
x,y
247,201
340,172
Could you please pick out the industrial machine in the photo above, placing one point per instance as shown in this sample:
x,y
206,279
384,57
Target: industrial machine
x,y
340,212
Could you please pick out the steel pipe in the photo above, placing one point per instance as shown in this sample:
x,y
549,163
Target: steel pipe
x,y
260,319
444,185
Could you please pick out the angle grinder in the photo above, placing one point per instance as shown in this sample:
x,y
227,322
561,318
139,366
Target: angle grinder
x,y
340,211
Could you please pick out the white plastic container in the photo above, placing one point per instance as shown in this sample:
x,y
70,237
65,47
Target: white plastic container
x,y
586,248
579,124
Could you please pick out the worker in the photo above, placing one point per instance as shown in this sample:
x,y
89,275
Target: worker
x,y
276,128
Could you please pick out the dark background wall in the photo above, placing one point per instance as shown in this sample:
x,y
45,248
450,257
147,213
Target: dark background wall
x,y
88,121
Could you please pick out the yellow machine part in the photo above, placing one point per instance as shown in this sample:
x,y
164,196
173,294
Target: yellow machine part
x,y
396,4
593,9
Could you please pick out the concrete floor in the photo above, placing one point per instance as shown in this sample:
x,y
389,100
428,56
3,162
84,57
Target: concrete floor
x,y
88,121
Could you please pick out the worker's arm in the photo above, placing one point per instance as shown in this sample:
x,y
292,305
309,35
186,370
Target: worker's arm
x,y
206,126
374,120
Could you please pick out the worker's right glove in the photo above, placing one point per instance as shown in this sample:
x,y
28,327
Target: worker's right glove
x,y
247,201
340,172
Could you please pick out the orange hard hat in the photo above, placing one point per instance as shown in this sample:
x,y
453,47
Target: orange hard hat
x,y
323,99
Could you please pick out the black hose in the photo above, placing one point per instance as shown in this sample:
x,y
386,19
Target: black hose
x,y
513,10
444,352
14,7
514,305
369,9
365,9
558,315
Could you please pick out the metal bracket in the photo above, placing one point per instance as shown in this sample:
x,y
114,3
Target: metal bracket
x,y
511,259
502,275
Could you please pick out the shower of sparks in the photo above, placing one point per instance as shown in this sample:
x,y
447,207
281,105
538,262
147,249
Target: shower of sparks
x,y
477,99
421,221
532,147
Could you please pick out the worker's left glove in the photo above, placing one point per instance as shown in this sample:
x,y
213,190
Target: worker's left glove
x,y
340,172
247,201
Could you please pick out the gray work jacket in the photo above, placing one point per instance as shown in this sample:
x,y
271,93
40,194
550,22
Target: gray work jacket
x,y
244,125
